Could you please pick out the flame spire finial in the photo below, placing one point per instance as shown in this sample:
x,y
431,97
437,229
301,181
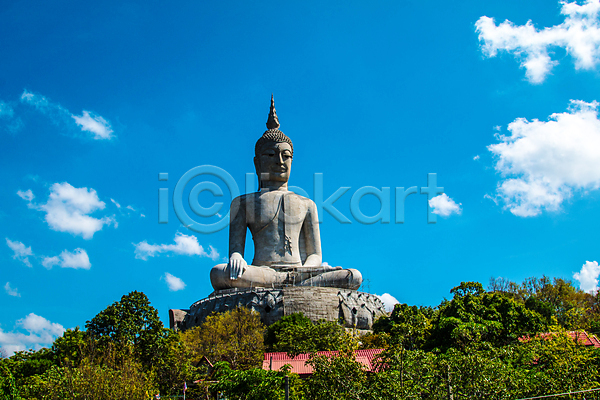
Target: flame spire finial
x,y
272,121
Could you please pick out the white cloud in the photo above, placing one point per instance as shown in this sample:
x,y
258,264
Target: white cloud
x,y
184,244
55,111
444,206
98,127
543,163
11,291
389,301
95,124
36,324
174,282
77,259
6,111
21,252
476,158
588,277
39,333
26,195
579,34
49,262
115,203
68,209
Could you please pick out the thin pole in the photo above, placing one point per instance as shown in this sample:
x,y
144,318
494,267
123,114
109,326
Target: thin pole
x,y
450,394
287,387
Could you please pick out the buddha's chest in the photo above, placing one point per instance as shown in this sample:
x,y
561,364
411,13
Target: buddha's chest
x,y
274,212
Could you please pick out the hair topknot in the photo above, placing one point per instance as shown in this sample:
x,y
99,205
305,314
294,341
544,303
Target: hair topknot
x,y
272,136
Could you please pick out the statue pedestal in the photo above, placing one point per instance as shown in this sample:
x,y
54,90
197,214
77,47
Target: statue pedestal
x,y
354,309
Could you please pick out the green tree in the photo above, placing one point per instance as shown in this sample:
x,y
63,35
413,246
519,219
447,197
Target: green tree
x,y
407,326
68,348
112,378
557,300
130,330
556,364
8,387
131,323
404,374
296,334
24,364
474,316
274,330
234,336
338,377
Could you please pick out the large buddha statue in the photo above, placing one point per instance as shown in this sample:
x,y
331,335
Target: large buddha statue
x,y
284,227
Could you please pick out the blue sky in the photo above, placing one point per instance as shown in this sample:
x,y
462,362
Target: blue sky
x,y
97,100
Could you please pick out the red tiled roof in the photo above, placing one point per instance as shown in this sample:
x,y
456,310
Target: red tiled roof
x,y
274,361
581,337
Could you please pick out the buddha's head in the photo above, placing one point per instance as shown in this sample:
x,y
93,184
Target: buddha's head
x,y
273,152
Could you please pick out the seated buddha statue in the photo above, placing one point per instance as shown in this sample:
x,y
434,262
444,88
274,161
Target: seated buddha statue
x,y
284,228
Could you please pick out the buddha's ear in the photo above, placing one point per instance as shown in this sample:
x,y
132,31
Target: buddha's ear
x,y
257,168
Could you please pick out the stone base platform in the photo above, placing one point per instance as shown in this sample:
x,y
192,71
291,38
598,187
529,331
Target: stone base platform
x,y
356,310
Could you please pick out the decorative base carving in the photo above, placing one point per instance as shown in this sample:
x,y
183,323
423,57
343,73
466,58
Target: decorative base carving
x,y
355,309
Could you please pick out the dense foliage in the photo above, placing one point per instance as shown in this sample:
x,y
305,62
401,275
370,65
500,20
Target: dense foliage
x,y
477,345
235,337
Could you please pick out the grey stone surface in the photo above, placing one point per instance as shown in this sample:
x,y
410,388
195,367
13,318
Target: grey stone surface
x,y
353,309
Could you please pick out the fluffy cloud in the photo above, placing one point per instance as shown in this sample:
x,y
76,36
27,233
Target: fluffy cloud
x,y
579,34
389,301
68,209
444,206
39,333
95,124
173,282
21,252
26,195
588,277
11,291
77,259
543,163
184,244
97,127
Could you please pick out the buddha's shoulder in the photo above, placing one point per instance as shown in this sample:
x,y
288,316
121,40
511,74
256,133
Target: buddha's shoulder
x,y
297,198
242,199
257,196
246,198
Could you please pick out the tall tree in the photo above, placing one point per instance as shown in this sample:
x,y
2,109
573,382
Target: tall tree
x,y
131,323
234,336
474,316
297,334
407,326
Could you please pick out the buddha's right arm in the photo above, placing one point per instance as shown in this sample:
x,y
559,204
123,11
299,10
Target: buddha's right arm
x,y
237,238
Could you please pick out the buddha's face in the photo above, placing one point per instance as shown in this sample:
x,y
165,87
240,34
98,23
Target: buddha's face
x,y
274,162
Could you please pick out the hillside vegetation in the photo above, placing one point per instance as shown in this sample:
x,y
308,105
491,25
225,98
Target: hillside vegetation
x,y
479,344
